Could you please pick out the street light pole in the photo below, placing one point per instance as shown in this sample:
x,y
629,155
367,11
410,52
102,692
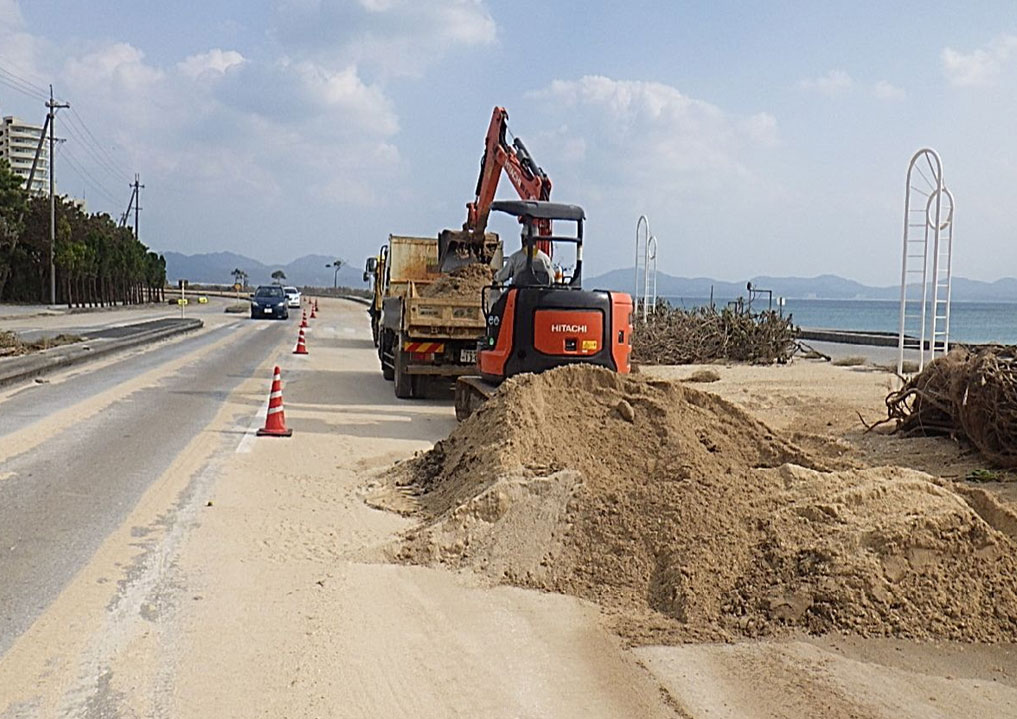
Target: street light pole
x,y
338,264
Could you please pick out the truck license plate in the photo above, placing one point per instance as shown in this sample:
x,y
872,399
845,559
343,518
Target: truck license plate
x,y
468,356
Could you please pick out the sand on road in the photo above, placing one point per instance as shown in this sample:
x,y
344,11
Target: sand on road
x,y
254,580
251,581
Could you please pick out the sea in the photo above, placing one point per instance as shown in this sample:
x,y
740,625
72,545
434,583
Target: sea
x,y
970,322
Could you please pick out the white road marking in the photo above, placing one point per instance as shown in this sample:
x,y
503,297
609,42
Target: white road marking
x,y
251,433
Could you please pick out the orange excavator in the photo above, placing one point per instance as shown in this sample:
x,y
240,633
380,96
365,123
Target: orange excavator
x,y
472,243
539,322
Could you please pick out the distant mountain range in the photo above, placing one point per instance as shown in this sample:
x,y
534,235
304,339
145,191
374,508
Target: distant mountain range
x,y
310,270
217,268
825,287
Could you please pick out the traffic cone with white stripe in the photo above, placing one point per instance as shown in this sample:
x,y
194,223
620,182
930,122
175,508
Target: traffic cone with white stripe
x,y
314,315
303,319
315,304
301,344
275,422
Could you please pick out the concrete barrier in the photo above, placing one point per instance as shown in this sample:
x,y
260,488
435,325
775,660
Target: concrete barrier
x,y
17,369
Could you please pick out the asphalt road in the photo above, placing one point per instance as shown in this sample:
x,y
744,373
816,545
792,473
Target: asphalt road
x,y
61,498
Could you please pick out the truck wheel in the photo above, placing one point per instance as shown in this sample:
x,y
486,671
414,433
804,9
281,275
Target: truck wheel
x,y
405,383
385,354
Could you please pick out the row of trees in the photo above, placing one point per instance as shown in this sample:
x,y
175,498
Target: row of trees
x,y
97,261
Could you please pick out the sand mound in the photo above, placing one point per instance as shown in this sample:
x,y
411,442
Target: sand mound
x,y
688,519
465,282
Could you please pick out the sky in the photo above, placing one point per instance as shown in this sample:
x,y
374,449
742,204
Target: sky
x,y
759,138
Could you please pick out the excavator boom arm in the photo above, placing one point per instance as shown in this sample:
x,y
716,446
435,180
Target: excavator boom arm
x,y
530,181
472,243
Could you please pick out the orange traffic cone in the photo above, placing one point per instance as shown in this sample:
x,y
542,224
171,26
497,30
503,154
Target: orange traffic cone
x,y
275,422
301,344
314,315
303,319
315,304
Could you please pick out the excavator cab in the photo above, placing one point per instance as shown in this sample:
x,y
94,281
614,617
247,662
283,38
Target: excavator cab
x,y
536,325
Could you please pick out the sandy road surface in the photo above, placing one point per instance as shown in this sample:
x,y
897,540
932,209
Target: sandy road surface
x,y
246,580
249,579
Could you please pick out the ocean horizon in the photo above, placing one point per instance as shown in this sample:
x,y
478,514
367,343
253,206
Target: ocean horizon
x,y
970,322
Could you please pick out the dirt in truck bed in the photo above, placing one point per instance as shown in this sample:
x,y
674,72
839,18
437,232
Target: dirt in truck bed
x,y
463,283
686,519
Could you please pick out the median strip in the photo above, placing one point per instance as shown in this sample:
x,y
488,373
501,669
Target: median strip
x,y
16,369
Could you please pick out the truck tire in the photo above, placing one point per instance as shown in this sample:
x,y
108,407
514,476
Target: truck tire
x,y
405,383
385,355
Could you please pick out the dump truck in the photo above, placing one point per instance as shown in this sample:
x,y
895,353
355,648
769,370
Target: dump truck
x,y
426,339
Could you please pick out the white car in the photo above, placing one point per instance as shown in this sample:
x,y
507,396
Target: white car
x,y
292,296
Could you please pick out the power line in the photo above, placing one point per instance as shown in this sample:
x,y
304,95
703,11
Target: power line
x,y
89,147
98,145
17,87
26,87
25,80
76,127
85,175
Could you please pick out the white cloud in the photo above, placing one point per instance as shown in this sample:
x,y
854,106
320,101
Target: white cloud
x,y
10,14
649,137
885,91
211,63
20,52
706,176
390,38
835,82
121,66
980,67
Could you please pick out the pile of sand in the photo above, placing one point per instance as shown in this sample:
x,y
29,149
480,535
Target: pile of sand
x,y
462,283
688,519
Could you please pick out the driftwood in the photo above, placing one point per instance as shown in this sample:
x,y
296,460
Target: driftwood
x,y
673,335
968,393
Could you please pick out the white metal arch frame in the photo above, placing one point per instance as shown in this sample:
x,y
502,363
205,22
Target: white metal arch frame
x,y
928,215
645,297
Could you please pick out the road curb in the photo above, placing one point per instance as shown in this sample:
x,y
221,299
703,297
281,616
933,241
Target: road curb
x,y
358,300
17,369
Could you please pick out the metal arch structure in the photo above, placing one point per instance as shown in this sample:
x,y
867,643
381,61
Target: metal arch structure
x,y
928,226
645,297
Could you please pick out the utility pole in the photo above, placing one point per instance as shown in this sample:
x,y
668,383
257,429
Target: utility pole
x,y
138,187
52,106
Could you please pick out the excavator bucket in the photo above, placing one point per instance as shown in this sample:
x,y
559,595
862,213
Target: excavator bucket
x,y
457,248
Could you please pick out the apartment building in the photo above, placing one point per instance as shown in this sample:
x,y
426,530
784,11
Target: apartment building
x,y
18,143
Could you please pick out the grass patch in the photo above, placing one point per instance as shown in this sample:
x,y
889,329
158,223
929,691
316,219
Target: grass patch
x,y
908,368
703,375
854,361
984,475
238,308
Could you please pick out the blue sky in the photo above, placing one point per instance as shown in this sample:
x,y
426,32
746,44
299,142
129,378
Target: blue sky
x,y
764,138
